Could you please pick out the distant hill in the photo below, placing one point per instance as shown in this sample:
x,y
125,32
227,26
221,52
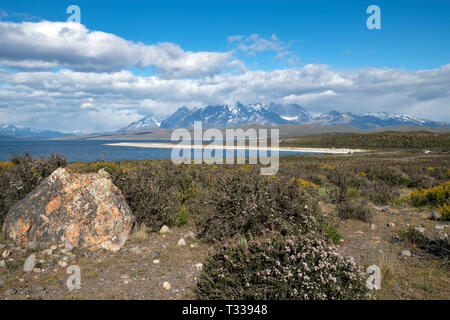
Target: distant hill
x,y
15,132
378,140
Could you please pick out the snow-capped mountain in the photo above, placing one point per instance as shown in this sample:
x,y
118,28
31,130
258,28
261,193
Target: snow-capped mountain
x,y
148,122
370,120
222,116
291,112
17,131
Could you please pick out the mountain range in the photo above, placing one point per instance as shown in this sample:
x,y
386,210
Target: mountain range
x,y
12,132
274,114
224,116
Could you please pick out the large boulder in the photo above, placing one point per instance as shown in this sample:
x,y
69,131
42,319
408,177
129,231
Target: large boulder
x,y
85,210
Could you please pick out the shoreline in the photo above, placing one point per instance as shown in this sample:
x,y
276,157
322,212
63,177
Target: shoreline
x,y
219,146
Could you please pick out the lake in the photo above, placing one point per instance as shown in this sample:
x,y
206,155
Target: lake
x,y
87,150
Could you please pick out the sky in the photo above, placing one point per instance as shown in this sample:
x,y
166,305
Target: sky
x,y
128,59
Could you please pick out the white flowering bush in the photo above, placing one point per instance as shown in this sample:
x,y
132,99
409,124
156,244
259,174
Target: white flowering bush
x,y
281,267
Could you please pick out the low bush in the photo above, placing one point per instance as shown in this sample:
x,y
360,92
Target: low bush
x,y
331,233
280,267
413,236
250,204
21,175
435,196
355,210
445,212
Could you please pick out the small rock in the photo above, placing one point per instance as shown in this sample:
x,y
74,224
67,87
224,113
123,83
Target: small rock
x,y
30,263
421,230
435,215
359,233
39,289
406,253
6,253
391,224
164,229
2,264
53,247
47,252
440,227
166,285
189,235
136,250
125,277
386,209
181,242
156,261
62,263
37,270
154,254
194,245
68,245
31,245
10,291
372,227
199,266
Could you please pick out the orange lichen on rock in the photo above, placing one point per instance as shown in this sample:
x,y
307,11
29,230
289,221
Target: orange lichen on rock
x,y
52,205
87,210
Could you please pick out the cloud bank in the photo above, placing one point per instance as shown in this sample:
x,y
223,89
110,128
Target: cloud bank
x,y
49,45
70,78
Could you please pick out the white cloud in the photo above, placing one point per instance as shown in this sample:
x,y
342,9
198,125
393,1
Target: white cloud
x,y
69,100
47,45
255,44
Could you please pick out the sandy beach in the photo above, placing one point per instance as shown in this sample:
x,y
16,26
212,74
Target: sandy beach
x,y
219,146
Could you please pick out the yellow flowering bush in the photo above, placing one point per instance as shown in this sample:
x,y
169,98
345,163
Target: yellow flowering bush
x,y
445,212
437,195
302,183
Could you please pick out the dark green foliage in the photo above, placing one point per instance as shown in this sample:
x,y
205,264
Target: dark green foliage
x,y
387,139
355,210
21,176
249,204
332,233
413,237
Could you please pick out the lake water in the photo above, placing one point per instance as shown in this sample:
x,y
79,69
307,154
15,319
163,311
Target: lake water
x,y
85,150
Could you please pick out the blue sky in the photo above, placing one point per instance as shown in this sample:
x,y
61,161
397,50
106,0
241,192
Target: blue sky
x,y
414,35
324,42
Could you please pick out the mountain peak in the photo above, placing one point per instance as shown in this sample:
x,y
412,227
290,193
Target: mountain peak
x,y
222,116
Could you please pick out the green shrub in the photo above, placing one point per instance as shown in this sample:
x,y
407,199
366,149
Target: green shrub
x,y
355,210
280,267
152,193
413,236
250,204
183,217
331,233
22,175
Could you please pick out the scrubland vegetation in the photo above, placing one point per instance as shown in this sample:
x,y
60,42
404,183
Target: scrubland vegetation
x,y
381,140
274,236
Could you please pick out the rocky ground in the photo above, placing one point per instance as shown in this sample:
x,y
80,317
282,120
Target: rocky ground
x,y
408,271
161,266
158,267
